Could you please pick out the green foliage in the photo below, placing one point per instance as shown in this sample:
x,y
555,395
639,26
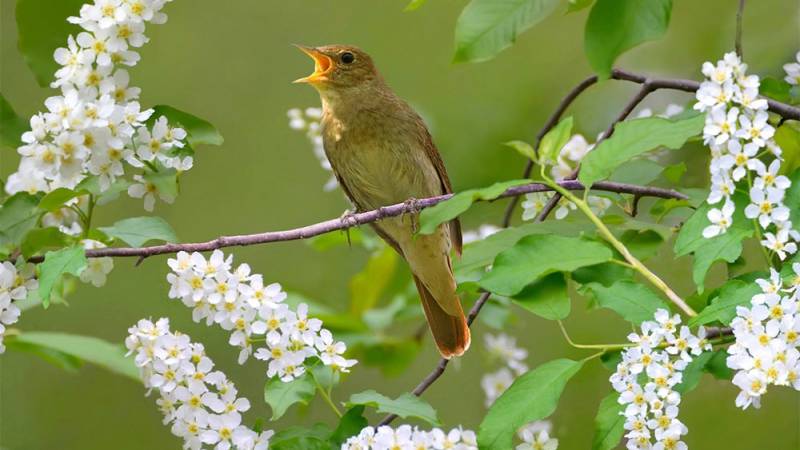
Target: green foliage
x,y
302,438
616,26
486,27
779,90
787,136
717,365
635,302
554,140
18,215
608,423
414,5
42,27
577,5
523,148
605,274
351,423
165,180
694,372
547,297
280,395
137,231
76,349
11,125
431,218
532,396
91,185
367,286
537,255
637,171
69,260
723,307
634,137
644,244
406,405
39,239
198,131
56,199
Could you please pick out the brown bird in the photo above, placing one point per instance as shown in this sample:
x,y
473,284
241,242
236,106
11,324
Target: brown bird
x,y
382,154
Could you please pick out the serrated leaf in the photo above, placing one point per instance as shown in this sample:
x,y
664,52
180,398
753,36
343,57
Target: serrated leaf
x,y
70,260
634,137
198,131
486,27
55,199
608,423
86,348
554,140
280,395
367,286
533,396
523,148
723,307
42,27
301,438
11,125
537,255
137,231
635,302
547,297
351,423
431,218
39,239
18,215
616,26
407,405
637,171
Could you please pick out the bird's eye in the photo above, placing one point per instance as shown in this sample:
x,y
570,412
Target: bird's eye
x,y
348,57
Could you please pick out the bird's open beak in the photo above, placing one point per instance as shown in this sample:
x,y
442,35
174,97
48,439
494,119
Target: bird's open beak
x,y
323,65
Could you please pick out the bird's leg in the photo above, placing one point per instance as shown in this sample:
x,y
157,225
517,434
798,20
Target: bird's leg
x,y
411,207
348,220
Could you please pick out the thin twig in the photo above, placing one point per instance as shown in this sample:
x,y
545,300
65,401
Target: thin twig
x,y
739,17
551,122
354,220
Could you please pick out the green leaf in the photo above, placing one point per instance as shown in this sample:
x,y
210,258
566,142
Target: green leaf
x,y
55,199
18,215
694,372
367,286
414,5
351,423
87,348
608,423
198,131
324,375
774,88
407,405
165,181
554,140
726,247
633,301
538,255
644,244
39,239
42,27
675,172
11,125
637,171
717,365
533,396
301,438
546,297
634,137
59,359
606,274
787,136
91,184
137,231
577,5
486,27
723,307
523,148
70,260
431,218
615,26
280,395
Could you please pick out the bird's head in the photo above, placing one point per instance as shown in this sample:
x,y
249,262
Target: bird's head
x,y
339,67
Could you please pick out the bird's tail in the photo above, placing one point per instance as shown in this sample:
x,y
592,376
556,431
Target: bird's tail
x,y
450,332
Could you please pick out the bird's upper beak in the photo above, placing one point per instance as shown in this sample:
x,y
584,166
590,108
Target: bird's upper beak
x,y
323,65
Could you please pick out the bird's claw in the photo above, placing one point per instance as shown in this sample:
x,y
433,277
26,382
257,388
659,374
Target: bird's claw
x,y
348,220
412,208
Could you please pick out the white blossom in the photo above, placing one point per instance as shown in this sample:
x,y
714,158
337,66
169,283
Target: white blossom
x,y
793,71
15,284
308,120
405,437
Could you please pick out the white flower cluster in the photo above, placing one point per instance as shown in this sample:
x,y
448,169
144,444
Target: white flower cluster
x,y
646,379
536,436
14,285
238,301
96,125
503,348
767,339
308,120
201,404
792,70
96,269
405,437
738,133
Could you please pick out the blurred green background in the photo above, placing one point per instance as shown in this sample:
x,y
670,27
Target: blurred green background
x,y
231,63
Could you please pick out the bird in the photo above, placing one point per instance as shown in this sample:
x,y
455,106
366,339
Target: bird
x,y
382,153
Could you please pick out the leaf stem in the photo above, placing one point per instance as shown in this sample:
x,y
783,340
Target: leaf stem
x,y
604,347
326,396
621,248
87,224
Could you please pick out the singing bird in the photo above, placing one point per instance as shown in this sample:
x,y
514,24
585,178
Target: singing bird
x,y
382,153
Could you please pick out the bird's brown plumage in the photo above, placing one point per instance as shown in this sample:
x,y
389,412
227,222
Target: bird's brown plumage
x,y
382,153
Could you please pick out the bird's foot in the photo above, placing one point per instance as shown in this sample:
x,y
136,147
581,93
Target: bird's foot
x,y
348,220
412,208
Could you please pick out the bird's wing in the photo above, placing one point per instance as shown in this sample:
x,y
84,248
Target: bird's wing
x,y
436,160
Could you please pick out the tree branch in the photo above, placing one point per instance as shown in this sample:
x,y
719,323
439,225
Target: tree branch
x,y
739,17
356,219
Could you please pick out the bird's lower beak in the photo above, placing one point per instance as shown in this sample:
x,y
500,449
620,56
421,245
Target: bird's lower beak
x,y
323,65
